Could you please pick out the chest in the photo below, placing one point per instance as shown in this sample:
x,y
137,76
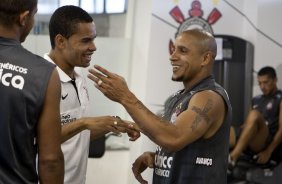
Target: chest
x,y
74,101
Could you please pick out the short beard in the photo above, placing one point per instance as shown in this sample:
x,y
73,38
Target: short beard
x,y
178,79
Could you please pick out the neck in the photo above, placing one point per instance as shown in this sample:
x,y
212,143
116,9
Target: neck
x,y
190,84
274,91
61,63
11,33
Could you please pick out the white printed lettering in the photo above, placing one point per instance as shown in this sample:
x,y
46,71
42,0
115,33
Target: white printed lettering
x,y
204,161
16,81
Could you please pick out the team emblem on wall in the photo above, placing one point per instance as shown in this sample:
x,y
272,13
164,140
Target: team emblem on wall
x,y
195,19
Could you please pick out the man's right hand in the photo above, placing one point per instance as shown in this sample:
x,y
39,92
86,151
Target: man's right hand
x,y
104,124
142,163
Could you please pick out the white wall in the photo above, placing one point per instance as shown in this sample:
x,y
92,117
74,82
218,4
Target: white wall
x,y
142,57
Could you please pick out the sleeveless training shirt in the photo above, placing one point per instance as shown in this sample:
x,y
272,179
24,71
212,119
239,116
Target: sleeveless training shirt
x,y
269,106
24,79
203,161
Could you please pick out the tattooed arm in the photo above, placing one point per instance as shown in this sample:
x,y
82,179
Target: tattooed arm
x,y
203,117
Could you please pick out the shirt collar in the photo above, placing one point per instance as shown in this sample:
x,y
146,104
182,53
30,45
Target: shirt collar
x,y
63,76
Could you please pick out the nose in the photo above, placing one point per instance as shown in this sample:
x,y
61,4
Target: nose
x,y
92,46
173,56
262,87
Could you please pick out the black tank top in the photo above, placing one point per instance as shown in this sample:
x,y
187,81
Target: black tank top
x,y
23,82
203,161
269,106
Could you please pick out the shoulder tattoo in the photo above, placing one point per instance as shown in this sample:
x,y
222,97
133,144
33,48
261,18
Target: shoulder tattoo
x,y
201,114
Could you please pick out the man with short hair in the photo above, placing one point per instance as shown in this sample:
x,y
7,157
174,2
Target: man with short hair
x,y
261,132
29,109
72,34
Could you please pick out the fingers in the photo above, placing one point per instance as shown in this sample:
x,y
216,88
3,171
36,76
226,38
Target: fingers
x,y
96,77
133,133
133,136
102,81
138,167
137,173
140,179
118,124
92,77
127,127
104,71
103,74
112,124
135,126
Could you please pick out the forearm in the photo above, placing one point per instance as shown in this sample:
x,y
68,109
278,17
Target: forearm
x,y
275,142
71,129
150,124
95,134
51,171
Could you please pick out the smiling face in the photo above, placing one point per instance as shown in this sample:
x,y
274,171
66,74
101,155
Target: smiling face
x,y
80,46
193,55
189,60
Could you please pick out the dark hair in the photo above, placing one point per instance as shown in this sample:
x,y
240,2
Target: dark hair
x,y
268,70
10,9
64,21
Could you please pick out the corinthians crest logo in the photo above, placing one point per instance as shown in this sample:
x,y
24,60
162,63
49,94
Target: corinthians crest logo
x,y
195,19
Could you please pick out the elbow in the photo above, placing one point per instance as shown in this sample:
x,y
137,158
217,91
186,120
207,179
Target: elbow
x,y
171,147
170,144
51,169
51,163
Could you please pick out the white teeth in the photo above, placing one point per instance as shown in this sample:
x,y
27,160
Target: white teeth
x,y
88,57
175,67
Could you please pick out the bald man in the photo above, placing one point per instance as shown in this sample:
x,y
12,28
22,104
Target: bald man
x,y
192,135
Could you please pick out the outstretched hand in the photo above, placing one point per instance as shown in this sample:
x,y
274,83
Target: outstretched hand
x,y
103,124
133,131
130,128
146,160
110,84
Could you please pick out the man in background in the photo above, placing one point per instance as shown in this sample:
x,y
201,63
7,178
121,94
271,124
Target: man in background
x,y
72,34
29,103
261,132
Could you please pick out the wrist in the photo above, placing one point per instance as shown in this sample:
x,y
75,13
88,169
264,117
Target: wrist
x,y
83,123
149,153
128,99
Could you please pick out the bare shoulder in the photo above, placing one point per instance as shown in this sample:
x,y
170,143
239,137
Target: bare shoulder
x,y
208,96
211,103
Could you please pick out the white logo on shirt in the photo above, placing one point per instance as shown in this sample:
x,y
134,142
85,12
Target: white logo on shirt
x,y
204,161
16,81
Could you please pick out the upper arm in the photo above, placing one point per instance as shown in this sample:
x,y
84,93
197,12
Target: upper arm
x,y
203,117
49,125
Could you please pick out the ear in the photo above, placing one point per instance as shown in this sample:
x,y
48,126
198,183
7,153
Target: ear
x,y
276,80
207,58
60,41
23,18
